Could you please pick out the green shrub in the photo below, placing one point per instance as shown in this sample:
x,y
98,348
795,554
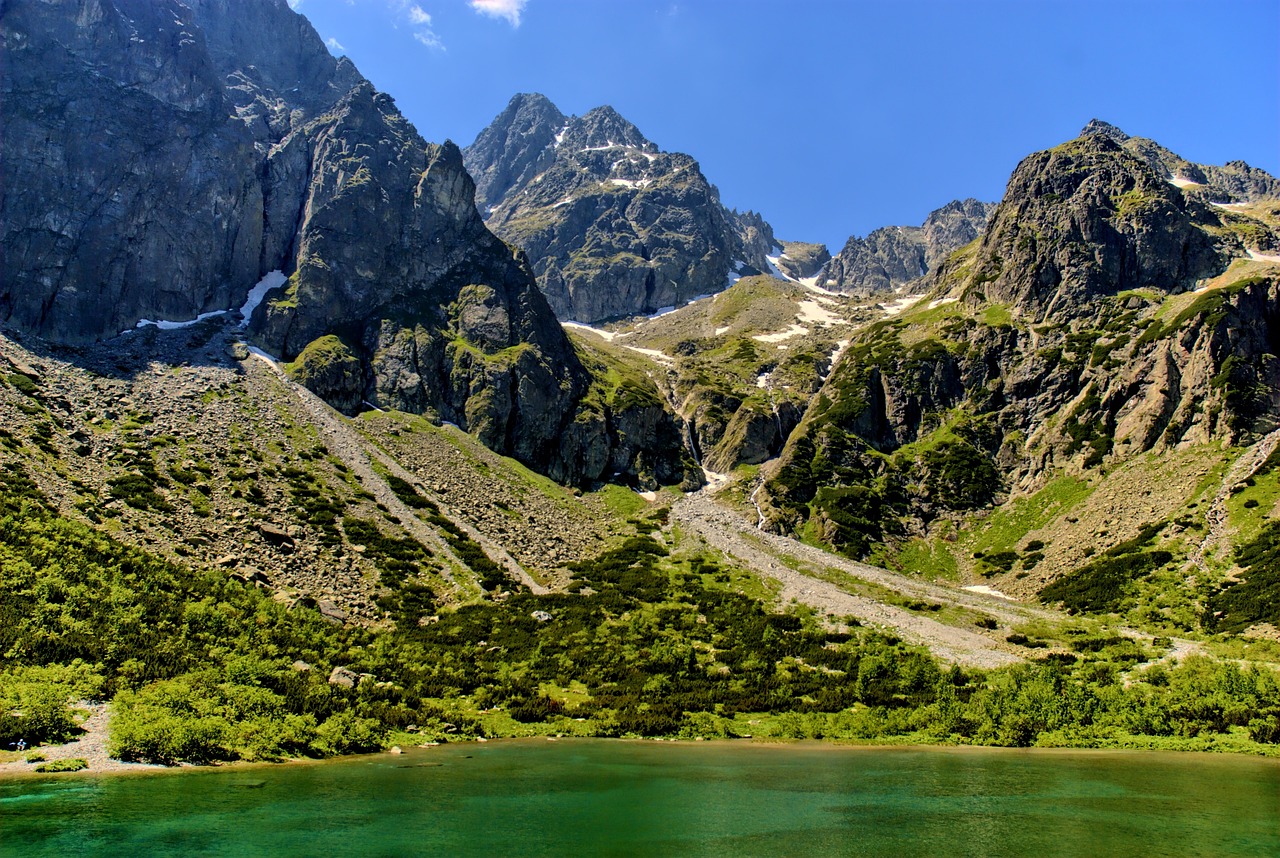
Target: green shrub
x,y
73,764
1255,596
347,733
1102,585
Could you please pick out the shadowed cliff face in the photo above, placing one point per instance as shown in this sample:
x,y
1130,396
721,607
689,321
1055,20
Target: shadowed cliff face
x,y
126,191
159,158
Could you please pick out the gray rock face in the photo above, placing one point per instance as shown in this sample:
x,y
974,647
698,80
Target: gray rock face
x,y
892,256
612,225
518,145
1235,181
127,191
159,158
801,259
1088,218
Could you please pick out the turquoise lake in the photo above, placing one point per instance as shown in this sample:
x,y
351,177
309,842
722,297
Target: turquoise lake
x,y
583,797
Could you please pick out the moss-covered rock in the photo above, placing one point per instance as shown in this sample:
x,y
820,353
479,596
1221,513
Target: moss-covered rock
x,y
329,368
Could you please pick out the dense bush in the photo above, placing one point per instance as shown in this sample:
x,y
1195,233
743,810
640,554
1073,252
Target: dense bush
x,y
1255,596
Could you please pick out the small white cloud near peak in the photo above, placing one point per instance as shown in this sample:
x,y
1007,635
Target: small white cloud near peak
x,y
420,20
294,4
430,39
509,9
334,46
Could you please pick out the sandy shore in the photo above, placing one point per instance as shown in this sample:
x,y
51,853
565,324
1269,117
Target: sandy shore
x,y
91,747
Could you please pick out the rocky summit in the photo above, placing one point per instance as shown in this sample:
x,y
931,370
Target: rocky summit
x,y
192,149
613,226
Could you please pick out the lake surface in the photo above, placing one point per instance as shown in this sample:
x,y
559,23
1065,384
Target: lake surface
x,y
583,797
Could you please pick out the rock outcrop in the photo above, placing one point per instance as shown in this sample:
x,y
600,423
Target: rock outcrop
x,y
892,256
127,188
1087,219
612,225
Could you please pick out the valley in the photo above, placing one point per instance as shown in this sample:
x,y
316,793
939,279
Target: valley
x,y
537,437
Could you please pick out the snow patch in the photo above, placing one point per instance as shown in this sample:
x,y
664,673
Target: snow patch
x,y
988,591
1180,182
762,380
1263,257
896,307
607,336
940,301
649,496
165,325
835,355
775,270
270,280
560,136
653,353
1230,205
815,313
269,360
793,331
662,311
563,202
715,480
722,331
630,183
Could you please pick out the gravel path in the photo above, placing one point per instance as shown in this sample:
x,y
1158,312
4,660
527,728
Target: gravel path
x,y
797,568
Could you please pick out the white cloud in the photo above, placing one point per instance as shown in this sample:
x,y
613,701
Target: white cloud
x,y
334,45
420,20
294,4
430,39
509,9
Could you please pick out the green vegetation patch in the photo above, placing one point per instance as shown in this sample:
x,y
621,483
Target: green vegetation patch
x,y
1104,584
70,764
1255,597
492,576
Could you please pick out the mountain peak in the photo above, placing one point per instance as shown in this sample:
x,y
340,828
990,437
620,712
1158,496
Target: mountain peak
x,y
604,127
1104,129
514,147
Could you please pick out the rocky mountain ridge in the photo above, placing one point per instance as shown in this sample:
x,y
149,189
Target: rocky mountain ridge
x,y
1103,315
612,225
1233,182
892,256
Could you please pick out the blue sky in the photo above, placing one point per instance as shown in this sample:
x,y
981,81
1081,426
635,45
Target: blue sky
x,y
833,118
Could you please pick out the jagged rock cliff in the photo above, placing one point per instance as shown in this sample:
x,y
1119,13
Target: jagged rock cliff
x,y
612,225
193,148
895,255
1069,337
